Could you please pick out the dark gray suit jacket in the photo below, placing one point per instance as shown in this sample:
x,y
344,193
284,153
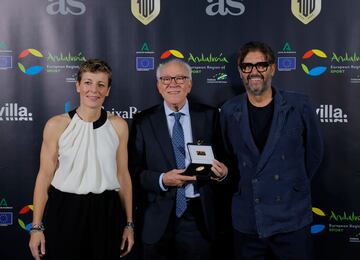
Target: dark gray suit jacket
x,y
151,154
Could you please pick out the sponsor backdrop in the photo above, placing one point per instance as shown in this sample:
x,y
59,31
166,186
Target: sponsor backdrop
x,y
43,42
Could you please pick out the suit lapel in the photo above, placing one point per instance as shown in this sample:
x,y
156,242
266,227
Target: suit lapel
x,y
241,115
280,111
197,124
160,129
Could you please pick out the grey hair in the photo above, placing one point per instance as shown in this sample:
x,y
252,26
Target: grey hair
x,y
183,63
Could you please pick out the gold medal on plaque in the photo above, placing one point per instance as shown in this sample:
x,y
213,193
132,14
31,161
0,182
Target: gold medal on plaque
x,y
200,168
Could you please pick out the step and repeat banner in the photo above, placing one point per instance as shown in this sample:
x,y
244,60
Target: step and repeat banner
x,y
42,43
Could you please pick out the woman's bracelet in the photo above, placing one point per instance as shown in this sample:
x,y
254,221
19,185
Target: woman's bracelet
x,y
129,225
37,228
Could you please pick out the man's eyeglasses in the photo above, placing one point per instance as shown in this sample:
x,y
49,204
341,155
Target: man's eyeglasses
x,y
178,79
260,66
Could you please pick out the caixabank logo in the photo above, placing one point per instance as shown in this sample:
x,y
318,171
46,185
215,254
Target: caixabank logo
x,y
126,114
316,70
28,56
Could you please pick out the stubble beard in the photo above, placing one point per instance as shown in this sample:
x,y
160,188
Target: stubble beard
x,y
254,91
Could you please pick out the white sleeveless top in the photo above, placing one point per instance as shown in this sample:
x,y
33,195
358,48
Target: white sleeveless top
x,y
87,156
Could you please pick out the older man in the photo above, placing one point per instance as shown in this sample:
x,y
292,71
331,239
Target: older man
x,y
179,213
274,139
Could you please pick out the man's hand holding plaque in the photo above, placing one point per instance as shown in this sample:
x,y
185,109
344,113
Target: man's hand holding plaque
x,y
203,163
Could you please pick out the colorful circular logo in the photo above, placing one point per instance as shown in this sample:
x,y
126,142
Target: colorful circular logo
x,y
168,53
23,213
33,70
316,71
317,228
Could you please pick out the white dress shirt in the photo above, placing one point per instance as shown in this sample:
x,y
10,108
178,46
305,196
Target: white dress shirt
x,y
185,122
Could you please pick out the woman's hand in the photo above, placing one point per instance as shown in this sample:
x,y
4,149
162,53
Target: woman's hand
x,y
127,240
37,244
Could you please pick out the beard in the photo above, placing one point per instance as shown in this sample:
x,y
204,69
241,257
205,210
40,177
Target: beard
x,y
256,90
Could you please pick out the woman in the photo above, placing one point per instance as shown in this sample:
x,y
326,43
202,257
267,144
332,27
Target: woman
x,y
83,178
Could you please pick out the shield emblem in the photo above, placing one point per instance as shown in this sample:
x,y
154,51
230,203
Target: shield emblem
x,y
145,10
306,10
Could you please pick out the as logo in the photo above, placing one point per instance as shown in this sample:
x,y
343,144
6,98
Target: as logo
x,y
25,213
65,7
317,228
316,71
225,7
305,10
145,10
33,69
169,53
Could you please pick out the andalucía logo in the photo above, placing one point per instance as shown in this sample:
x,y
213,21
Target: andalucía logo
x,y
145,49
316,71
317,228
169,53
286,58
33,70
207,58
23,213
6,214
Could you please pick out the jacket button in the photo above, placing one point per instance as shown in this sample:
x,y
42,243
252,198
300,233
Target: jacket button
x,y
276,177
254,180
278,198
244,164
257,200
283,157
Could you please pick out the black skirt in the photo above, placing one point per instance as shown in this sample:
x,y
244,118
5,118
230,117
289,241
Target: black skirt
x,y
82,226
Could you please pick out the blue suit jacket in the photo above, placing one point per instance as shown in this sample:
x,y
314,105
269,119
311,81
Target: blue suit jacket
x,y
272,193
